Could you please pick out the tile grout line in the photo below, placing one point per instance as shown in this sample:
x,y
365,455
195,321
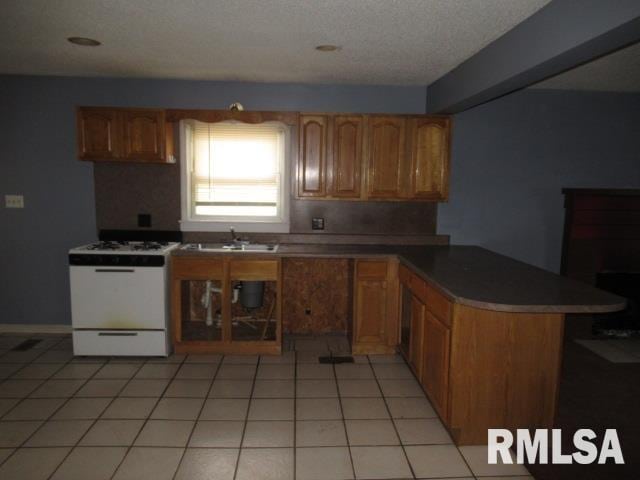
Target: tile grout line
x,y
95,420
66,399
404,362
43,380
295,412
344,421
384,400
44,422
195,423
16,449
246,417
146,420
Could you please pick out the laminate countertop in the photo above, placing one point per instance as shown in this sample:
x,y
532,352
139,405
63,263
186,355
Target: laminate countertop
x,y
472,276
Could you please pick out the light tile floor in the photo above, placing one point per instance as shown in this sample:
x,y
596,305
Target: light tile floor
x,y
619,350
242,417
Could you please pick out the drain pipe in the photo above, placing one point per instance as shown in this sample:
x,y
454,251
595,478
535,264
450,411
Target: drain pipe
x,y
206,300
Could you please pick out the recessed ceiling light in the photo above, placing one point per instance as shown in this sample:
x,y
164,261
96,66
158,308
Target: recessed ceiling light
x,y
328,48
85,42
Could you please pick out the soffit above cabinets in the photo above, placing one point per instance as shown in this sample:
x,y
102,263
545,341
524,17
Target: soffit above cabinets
x,y
617,72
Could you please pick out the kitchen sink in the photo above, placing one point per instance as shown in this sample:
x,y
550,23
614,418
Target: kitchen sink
x,y
228,247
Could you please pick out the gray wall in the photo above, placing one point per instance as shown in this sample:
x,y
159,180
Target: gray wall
x,y
511,158
39,161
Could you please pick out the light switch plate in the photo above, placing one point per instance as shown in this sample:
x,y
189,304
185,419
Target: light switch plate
x,y
14,201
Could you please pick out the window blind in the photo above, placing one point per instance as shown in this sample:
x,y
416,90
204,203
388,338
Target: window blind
x,y
235,169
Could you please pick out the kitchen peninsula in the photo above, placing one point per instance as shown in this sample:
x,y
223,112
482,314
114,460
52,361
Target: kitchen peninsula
x,y
481,332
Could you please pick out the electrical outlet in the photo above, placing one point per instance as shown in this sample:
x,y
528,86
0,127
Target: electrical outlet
x,y
144,219
14,201
317,223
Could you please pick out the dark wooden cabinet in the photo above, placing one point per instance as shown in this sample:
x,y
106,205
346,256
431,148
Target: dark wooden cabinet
x,y
99,136
346,156
429,158
124,135
386,142
601,233
312,156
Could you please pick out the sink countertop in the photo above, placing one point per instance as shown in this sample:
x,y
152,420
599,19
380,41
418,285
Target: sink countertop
x,y
470,275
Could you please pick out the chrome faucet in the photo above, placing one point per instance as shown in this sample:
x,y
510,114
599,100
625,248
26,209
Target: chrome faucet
x,y
236,241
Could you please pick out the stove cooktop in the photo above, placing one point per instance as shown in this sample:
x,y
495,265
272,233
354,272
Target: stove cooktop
x,y
133,248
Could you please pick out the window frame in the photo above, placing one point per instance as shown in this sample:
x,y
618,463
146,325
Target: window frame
x,y
189,223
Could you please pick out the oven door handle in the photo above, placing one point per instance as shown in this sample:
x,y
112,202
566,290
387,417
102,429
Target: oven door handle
x,y
117,334
115,270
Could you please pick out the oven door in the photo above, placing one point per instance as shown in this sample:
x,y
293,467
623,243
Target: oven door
x,y
122,298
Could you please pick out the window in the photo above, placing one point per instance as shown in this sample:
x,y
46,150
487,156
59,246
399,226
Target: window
x,y
234,174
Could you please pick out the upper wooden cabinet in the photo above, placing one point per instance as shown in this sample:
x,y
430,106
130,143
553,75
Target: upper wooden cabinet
x,y
346,156
312,157
377,157
125,135
429,158
98,135
386,142
144,134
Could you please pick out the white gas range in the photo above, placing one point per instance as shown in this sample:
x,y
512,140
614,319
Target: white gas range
x,y
119,298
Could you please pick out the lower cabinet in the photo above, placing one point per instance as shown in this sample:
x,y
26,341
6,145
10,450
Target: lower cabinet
x,y
435,369
480,368
416,350
226,305
374,307
425,313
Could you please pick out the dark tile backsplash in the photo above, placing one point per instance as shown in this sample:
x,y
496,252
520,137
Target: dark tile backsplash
x,y
123,191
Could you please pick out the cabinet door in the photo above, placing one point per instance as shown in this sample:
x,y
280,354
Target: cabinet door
x,y
405,320
312,157
371,302
144,135
416,352
435,373
98,133
386,156
346,156
429,158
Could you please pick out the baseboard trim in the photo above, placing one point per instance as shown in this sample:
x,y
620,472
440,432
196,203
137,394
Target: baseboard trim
x,y
34,328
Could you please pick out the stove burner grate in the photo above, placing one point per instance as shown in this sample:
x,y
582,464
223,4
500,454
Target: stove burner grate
x,y
149,245
106,245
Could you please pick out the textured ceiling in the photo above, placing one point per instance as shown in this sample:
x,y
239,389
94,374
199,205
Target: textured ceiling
x,y
404,42
616,72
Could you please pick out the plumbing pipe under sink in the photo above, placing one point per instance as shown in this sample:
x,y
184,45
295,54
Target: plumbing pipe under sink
x,y
206,300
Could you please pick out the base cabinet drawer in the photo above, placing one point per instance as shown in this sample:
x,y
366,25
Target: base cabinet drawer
x,y
121,342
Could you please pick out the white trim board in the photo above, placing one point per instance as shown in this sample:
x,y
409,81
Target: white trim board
x,y
34,328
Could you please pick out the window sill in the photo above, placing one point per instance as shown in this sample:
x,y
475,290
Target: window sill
x,y
248,227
